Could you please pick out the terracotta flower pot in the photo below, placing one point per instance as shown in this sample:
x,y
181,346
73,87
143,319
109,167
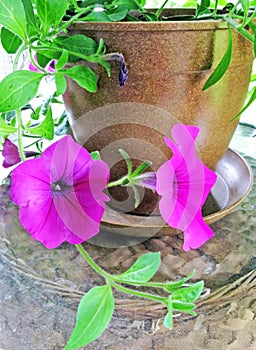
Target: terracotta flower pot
x,y
169,63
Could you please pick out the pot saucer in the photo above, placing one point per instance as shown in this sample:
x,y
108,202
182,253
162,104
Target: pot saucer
x,y
235,179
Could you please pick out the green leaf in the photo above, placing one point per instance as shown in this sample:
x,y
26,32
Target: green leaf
x,y
95,155
172,286
12,16
141,168
97,16
127,160
168,323
189,294
6,129
61,84
18,88
130,4
77,43
10,41
30,17
250,101
42,59
83,76
143,269
50,13
184,307
93,316
118,13
222,66
46,128
62,61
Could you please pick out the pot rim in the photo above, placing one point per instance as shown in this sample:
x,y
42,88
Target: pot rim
x,y
193,25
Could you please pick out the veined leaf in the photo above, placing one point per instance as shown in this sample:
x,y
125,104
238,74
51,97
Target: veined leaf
x,y
18,88
30,16
93,316
46,128
189,294
12,16
10,41
50,13
143,269
222,66
184,307
83,76
61,83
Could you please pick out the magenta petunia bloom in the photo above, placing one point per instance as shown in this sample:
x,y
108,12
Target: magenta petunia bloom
x,y
11,154
184,183
60,194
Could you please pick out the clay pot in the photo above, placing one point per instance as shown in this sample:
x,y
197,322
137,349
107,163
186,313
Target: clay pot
x,y
169,63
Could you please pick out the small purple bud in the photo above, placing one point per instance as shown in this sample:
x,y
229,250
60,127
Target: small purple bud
x,y
146,180
123,72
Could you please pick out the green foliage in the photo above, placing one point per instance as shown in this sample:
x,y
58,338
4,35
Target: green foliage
x,y
143,269
222,66
83,76
93,316
12,16
10,41
18,88
50,13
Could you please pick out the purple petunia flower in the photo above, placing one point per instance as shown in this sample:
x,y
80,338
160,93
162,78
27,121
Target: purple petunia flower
x,y
11,154
60,194
184,183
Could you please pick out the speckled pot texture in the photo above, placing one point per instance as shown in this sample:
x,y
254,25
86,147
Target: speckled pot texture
x,y
169,63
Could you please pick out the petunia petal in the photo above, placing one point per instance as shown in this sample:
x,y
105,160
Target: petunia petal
x,y
197,234
30,182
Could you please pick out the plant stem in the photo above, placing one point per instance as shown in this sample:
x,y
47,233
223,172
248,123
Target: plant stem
x,y
17,56
19,131
158,12
139,294
242,31
92,263
117,182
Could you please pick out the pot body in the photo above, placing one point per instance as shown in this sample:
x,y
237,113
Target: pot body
x,y
169,63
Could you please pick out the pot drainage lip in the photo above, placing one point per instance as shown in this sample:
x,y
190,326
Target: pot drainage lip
x,y
235,179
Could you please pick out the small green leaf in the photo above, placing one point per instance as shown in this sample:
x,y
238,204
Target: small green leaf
x,y
61,84
189,294
46,128
250,101
50,13
184,307
42,59
62,61
6,129
168,323
12,16
30,17
95,155
83,76
143,269
118,13
97,16
10,41
222,66
172,286
127,160
93,316
18,88
141,168
76,43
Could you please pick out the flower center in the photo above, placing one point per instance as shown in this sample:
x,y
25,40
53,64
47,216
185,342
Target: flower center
x,y
59,186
